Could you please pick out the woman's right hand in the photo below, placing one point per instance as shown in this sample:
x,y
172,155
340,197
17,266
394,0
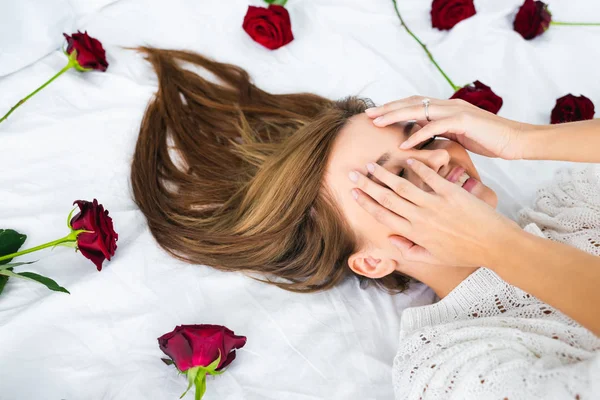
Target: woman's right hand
x,y
475,129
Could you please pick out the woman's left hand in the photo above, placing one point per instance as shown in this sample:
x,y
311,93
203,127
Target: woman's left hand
x,y
448,226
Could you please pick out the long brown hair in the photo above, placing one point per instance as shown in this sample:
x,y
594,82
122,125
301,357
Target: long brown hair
x,y
230,176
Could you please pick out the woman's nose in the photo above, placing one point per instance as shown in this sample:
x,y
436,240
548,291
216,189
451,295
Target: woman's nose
x,y
435,159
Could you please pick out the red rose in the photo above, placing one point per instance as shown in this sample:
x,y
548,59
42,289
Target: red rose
x,y
102,243
532,19
199,345
571,108
447,13
481,96
270,27
89,52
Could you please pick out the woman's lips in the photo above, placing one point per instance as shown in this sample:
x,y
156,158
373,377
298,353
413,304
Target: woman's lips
x,y
459,176
455,174
470,184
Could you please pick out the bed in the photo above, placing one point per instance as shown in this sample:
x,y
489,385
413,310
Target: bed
x,y
75,140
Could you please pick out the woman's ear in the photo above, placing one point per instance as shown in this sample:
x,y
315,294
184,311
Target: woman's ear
x,y
366,264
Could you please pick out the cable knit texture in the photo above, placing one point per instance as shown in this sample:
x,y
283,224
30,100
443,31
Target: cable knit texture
x,y
491,340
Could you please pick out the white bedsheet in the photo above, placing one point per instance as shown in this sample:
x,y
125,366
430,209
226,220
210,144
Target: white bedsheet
x,y
75,139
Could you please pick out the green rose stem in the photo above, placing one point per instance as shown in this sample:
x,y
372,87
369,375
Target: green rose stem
x,y
197,376
574,23
72,63
70,238
454,87
277,2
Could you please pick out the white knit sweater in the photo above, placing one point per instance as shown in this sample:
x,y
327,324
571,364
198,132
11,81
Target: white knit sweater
x,y
490,340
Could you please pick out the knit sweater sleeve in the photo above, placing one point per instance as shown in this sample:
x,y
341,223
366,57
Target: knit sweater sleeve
x,y
507,345
490,340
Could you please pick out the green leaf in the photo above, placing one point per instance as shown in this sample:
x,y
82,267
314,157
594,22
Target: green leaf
x,y
49,283
200,386
10,242
11,265
3,280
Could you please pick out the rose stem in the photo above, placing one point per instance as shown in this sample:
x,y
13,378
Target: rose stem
x,y
454,87
575,23
71,237
69,65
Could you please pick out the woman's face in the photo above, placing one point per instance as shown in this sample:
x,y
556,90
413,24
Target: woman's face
x,y
361,142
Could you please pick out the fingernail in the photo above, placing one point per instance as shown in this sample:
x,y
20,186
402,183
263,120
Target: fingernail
x,y
404,145
410,161
378,120
371,167
355,194
370,110
353,176
400,242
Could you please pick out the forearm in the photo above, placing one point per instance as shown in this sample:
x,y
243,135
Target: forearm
x,y
574,141
564,277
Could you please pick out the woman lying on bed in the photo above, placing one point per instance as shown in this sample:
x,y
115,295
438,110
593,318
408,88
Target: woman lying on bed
x,y
233,177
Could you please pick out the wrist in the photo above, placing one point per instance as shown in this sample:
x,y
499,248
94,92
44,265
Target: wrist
x,y
541,142
508,248
528,141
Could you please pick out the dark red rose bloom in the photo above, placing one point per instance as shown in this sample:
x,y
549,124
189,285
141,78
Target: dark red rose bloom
x,y
101,244
270,27
447,13
532,19
481,96
571,108
89,51
199,345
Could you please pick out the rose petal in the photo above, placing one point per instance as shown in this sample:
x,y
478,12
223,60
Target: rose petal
x,y
270,27
572,108
445,14
90,53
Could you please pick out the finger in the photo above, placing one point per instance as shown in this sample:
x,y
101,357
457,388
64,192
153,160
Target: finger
x,y
381,214
396,104
384,196
413,252
417,112
398,185
430,177
447,127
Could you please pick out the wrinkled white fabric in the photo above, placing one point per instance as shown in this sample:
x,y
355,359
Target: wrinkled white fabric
x,y
490,340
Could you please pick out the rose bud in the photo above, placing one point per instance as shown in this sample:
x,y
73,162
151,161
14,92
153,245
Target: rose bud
x,y
84,54
532,19
87,51
270,27
571,108
447,13
481,96
101,242
198,350
199,345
